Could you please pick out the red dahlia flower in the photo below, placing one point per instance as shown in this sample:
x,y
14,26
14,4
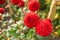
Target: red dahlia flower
x,y
2,10
21,4
2,1
15,1
33,6
31,19
44,28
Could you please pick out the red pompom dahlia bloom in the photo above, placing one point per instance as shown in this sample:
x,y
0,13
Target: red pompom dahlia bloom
x,y
33,6
2,1
31,19
16,2
2,10
44,28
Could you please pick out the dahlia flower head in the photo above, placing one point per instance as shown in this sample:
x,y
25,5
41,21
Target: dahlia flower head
x,y
44,27
2,10
2,1
31,19
33,5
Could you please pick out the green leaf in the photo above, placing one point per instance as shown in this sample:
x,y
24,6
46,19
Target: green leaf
x,y
31,33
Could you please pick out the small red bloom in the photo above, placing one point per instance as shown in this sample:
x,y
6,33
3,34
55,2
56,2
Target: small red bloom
x,y
2,1
21,4
33,6
2,10
16,2
44,28
31,19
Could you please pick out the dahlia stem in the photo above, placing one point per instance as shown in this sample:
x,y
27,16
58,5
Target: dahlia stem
x,y
52,11
10,9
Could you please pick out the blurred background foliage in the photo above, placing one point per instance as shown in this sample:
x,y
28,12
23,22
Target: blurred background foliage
x,y
13,28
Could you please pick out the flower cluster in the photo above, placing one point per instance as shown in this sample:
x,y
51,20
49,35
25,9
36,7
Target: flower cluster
x,y
42,27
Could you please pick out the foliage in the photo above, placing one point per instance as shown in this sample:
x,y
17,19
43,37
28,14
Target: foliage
x,y
12,26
